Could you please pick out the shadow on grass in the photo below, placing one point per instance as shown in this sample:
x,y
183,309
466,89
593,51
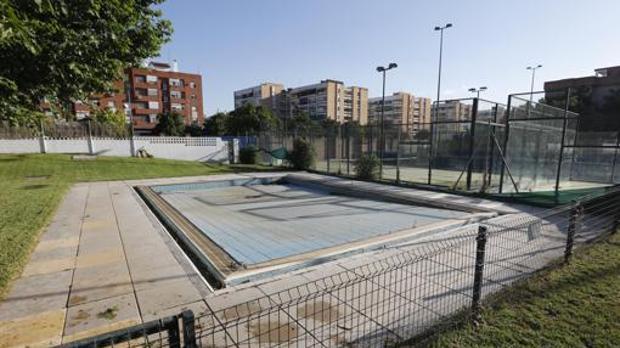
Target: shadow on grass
x,y
35,187
529,291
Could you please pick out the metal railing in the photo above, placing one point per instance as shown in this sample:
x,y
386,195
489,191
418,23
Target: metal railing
x,y
398,295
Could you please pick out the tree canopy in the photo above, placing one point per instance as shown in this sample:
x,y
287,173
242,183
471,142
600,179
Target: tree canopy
x,y
66,50
171,124
250,119
216,124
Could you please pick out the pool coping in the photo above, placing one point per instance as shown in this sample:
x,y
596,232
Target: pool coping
x,y
222,270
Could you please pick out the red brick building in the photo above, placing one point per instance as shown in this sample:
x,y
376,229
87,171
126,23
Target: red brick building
x,y
153,90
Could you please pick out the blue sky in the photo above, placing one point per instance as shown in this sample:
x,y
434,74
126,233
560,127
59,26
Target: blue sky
x,y
236,44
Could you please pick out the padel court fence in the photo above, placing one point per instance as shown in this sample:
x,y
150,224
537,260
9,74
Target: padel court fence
x,y
531,144
398,296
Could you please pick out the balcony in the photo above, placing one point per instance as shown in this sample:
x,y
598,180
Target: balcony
x,y
145,97
142,111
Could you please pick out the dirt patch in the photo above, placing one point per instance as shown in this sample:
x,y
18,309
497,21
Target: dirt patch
x,y
80,317
274,333
108,314
320,311
77,299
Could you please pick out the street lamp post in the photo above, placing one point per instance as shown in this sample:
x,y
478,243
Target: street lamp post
x,y
533,69
383,70
430,148
478,90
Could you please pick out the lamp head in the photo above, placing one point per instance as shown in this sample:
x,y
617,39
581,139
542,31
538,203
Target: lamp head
x,y
392,66
483,88
380,69
473,90
437,28
449,25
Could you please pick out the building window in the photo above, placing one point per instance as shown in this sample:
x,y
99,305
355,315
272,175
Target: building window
x,y
153,105
192,84
151,78
176,82
152,92
140,78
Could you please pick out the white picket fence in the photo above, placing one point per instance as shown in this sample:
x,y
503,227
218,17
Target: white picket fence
x,y
203,149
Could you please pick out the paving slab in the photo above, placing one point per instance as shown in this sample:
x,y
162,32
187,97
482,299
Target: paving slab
x,y
101,316
100,282
36,294
43,329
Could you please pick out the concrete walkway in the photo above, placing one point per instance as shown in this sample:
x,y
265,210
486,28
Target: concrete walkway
x,y
102,264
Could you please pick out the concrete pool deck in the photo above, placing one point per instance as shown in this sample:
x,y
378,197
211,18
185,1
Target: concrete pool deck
x,y
105,262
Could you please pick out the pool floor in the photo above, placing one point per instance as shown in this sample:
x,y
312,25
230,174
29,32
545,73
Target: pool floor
x,y
260,223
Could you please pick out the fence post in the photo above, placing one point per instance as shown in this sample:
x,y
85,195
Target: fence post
x,y
398,155
189,332
348,148
472,142
481,241
42,143
574,225
558,173
91,145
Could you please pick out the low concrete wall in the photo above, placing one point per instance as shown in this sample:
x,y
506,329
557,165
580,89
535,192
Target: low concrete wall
x,y
204,149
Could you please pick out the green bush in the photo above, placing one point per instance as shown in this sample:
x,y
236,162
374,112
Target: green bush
x,y
367,167
302,156
248,155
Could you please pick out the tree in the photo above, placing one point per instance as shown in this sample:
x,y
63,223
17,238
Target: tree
x,y
171,124
215,125
250,119
112,118
302,125
195,130
67,50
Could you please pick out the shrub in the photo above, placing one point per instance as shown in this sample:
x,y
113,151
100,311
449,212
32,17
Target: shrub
x,y
367,167
248,155
302,156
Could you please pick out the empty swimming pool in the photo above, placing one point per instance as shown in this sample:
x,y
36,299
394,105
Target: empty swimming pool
x,y
243,229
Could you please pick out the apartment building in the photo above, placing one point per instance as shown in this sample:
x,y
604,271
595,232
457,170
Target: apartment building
x,y
597,87
154,89
451,111
328,99
403,109
264,94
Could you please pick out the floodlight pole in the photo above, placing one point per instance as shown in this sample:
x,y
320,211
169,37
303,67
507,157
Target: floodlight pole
x,y
533,69
478,90
430,148
383,70
381,143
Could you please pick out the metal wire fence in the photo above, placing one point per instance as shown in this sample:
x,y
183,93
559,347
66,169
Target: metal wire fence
x,y
475,145
395,296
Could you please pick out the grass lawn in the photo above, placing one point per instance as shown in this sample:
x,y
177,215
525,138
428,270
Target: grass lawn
x,y
31,187
576,305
